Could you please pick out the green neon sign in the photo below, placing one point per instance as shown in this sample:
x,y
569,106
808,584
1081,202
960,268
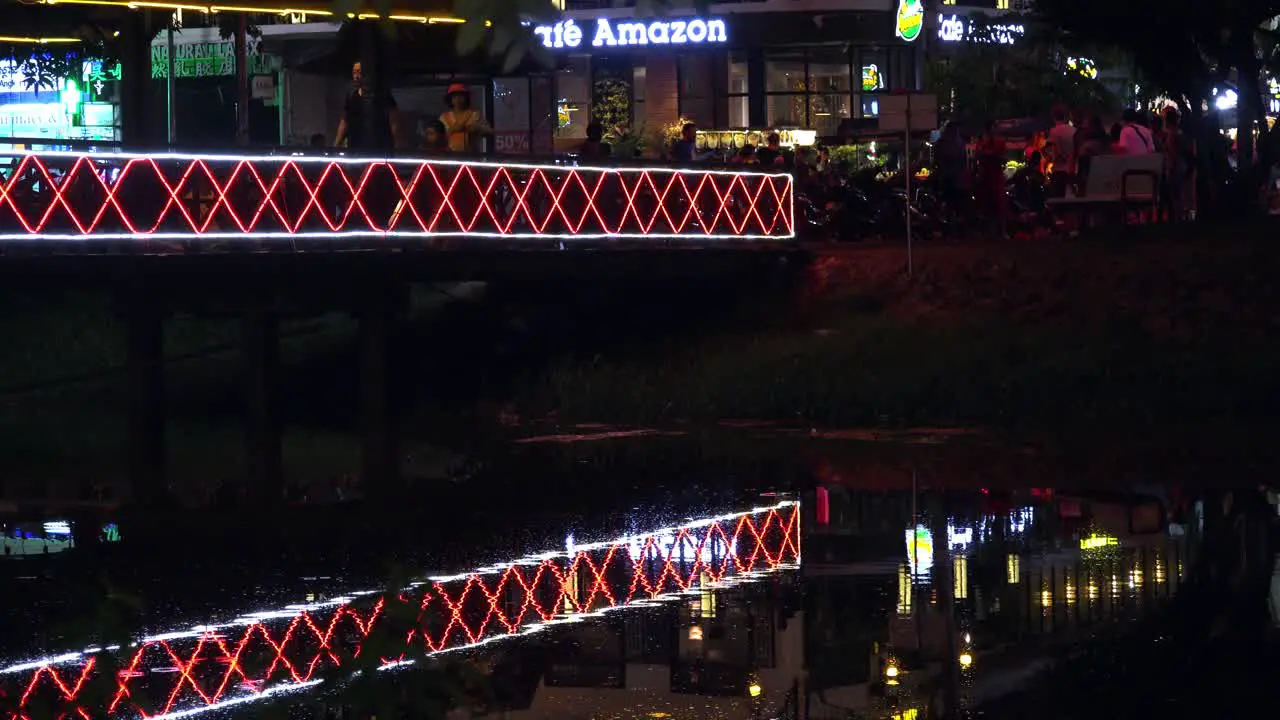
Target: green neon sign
x,y
211,59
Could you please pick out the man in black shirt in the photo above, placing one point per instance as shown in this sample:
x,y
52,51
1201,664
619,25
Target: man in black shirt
x,y
771,153
370,118
371,124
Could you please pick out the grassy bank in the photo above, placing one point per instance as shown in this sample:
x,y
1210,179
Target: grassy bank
x,y
1162,328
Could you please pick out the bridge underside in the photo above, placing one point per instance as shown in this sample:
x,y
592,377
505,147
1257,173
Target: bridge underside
x,y
228,274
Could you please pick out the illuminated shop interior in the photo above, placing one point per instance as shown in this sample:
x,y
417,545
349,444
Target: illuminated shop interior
x,y
736,87
78,106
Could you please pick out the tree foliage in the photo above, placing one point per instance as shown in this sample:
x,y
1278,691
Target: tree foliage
x,y
992,80
1183,48
39,71
40,66
1159,39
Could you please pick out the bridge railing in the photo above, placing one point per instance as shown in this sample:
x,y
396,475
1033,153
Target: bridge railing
x,y
202,200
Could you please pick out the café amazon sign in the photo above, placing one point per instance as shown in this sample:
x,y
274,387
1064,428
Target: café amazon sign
x,y
955,28
608,33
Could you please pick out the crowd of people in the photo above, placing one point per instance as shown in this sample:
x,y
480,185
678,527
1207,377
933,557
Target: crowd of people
x,y
1058,161
969,174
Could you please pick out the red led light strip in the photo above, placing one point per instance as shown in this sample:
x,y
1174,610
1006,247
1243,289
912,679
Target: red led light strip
x,y
187,672
56,195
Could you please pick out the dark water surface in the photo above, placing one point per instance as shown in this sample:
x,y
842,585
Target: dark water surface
x,y
590,585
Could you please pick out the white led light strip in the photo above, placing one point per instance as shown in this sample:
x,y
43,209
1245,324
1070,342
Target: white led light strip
x,y
291,611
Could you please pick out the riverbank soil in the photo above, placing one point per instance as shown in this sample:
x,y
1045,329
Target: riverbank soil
x,y
1163,326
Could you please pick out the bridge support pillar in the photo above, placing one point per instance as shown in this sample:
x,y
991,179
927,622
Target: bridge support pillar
x,y
378,312
264,461
149,484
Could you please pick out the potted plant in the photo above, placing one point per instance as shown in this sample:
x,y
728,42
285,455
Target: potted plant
x,y
627,142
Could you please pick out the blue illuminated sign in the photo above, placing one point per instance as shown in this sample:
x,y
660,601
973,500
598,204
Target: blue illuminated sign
x,y
568,34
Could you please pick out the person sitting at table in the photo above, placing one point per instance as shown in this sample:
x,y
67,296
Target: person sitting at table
x,y
594,147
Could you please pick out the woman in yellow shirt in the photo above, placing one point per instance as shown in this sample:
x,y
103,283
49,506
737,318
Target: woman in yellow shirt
x,y
463,125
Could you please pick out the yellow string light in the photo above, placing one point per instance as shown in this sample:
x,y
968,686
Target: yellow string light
x,y
273,11
38,40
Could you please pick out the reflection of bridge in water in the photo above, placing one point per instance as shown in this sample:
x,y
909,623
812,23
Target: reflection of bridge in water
x,y
264,653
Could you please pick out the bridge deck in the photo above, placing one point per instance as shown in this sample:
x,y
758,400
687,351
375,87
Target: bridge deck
x,y
135,203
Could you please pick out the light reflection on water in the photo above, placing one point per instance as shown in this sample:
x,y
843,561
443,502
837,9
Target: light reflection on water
x,y
208,668
829,630
714,608
1047,568
18,539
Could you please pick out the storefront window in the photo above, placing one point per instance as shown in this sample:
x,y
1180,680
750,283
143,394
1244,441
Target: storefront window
x,y
739,112
786,89
874,76
809,89
826,111
696,91
829,82
788,110
737,76
874,65
637,95
829,70
784,71
813,88
573,110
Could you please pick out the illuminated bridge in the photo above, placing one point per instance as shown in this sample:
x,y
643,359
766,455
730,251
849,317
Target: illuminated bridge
x,y
264,237
166,203
260,654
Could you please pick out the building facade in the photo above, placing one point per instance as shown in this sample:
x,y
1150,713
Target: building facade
x,y
758,64
806,66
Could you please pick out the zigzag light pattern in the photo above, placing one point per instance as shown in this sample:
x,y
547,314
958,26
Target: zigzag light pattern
x,y
78,196
206,668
